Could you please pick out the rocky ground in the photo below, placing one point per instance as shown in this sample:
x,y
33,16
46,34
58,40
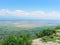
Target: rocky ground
x,y
39,42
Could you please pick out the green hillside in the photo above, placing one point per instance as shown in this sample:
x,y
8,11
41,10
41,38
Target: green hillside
x,y
12,35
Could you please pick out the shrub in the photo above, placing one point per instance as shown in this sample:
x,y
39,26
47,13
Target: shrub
x,y
46,38
57,27
45,32
17,40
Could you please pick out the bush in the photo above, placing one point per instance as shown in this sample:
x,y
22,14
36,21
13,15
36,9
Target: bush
x,y
58,27
45,32
17,40
46,38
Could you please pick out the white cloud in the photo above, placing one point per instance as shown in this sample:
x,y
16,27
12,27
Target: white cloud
x,y
32,14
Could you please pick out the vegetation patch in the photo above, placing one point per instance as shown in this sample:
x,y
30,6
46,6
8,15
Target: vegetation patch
x,y
10,35
18,40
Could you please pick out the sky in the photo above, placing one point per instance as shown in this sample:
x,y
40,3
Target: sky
x,y
30,9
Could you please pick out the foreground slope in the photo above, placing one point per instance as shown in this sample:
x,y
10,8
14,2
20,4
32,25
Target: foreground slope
x,y
40,42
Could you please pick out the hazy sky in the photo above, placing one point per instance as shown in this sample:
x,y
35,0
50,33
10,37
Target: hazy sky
x,y
38,9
